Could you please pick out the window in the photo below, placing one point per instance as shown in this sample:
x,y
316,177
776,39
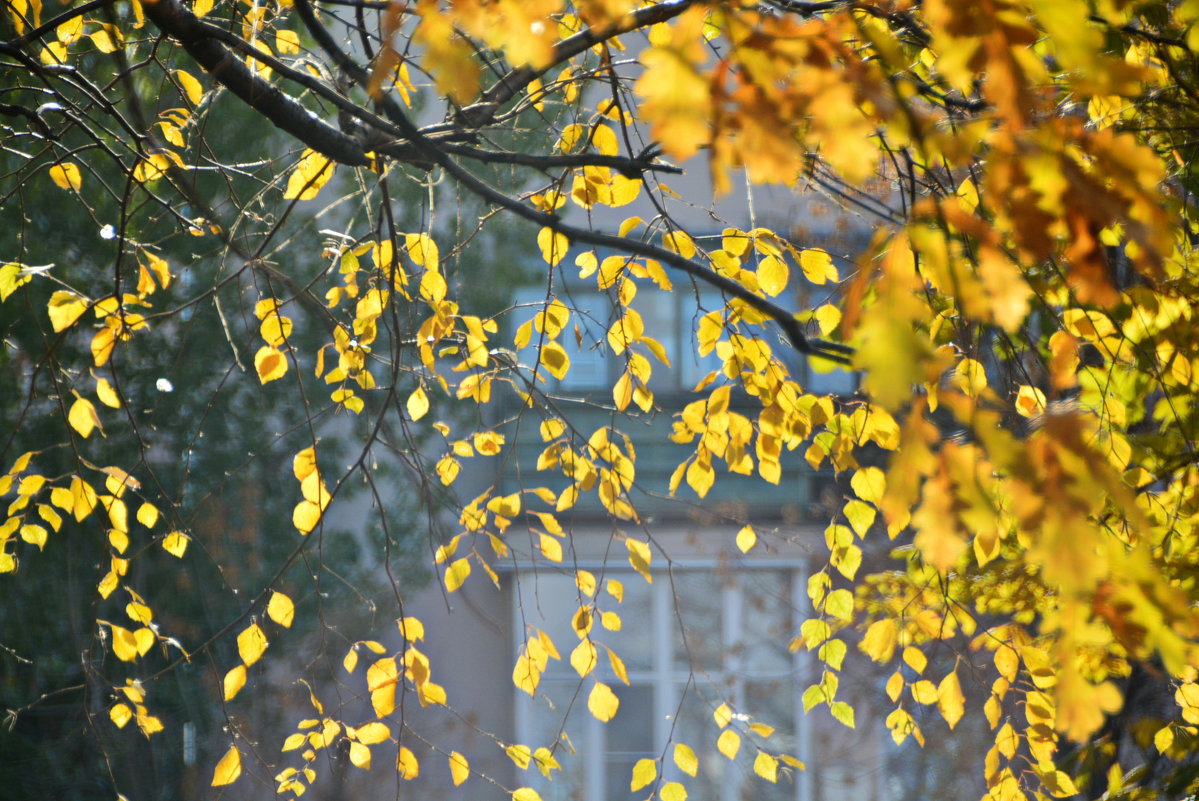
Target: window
x,y
693,639
670,318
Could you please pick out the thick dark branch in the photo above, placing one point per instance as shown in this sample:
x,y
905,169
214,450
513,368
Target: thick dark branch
x,y
629,167
284,111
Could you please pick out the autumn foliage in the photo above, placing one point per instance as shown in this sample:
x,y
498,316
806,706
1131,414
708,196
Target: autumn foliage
x,y
1023,445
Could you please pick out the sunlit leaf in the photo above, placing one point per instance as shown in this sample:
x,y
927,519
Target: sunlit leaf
x,y
251,644
729,743
644,772
602,702
281,610
228,769
685,759
673,791
459,768
406,764
234,680
67,176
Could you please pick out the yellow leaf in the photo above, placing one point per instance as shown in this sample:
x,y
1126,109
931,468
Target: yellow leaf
x,y
640,557
685,759
66,176
303,463
65,308
827,317
644,772
281,609
235,679
270,364
360,756
422,250
817,266
880,640
459,768
124,644
147,515
680,243
673,791
228,769
456,574
411,628
306,516
251,644
924,692
773,275
311,173
175,544
728,743
191,87
1030,402
406,764
950,700
525,794
584,658
12,279
120,715
553,245
381,679
722,715
766,766
761,729
869,483
83,417
34,535
201,7
746,539
602,702
287,42
418,404
915,659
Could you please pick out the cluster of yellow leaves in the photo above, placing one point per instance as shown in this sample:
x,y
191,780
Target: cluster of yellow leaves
x,y
307,513
121,713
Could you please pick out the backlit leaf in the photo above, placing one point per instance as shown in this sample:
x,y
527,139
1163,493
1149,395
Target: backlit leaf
x,y
746,539
175,544
281,610
83,417
644,772
418,404
270,364
685,759
602,702
251,644
456,574
729,743
67,176
673,791
234,680
406,764
766,766
459,768
228,769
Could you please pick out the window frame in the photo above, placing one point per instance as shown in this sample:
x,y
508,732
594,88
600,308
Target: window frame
x,y
667,681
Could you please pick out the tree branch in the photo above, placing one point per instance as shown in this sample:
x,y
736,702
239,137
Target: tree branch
x,y
283,111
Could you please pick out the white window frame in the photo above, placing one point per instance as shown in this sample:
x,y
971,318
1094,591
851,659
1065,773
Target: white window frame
x,y
668,683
